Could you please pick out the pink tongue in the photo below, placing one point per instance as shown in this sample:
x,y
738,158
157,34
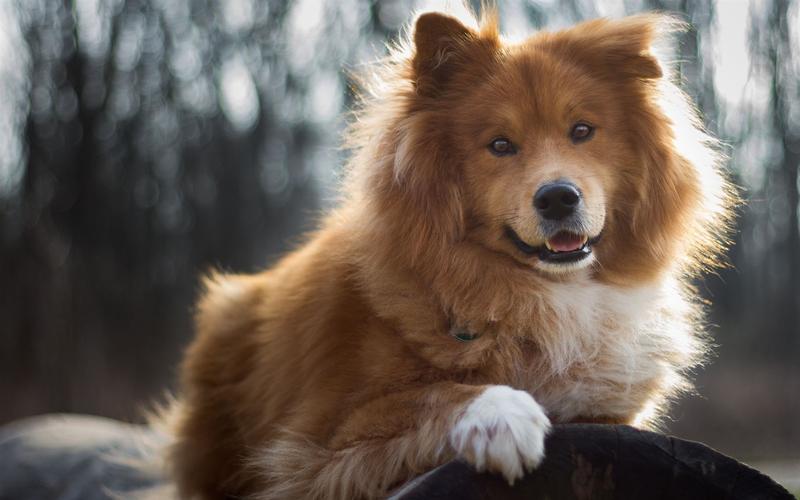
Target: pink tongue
x,y
565,242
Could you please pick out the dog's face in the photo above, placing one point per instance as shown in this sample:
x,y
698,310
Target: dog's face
x,y
561,153
543,142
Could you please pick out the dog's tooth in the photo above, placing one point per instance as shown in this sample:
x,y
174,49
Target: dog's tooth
x,y
547,244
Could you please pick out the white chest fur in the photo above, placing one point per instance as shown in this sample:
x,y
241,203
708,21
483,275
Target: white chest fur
x,y
611,352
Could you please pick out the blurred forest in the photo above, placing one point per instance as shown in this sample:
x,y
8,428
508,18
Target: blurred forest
x,y
143,142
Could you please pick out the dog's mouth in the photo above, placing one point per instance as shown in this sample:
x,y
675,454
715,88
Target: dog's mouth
x,y
562,247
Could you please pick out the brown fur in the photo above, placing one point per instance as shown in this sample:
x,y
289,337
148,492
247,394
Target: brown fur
x,y
333,374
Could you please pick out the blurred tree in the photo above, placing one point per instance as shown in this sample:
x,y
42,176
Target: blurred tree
x,y
776,59
160,138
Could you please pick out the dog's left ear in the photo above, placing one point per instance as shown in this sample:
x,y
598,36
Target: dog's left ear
x,y
441,45
618,48
438,41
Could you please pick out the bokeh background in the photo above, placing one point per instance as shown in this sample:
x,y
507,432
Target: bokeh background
x,y
143,142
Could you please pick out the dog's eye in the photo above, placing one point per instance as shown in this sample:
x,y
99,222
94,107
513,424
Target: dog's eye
x,y
581,132
502,147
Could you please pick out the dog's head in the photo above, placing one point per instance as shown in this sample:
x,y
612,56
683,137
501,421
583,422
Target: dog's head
x,y
564,151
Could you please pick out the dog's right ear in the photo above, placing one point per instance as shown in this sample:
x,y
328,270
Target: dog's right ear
x,y
439,45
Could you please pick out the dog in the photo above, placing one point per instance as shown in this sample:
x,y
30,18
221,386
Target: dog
x,y
517,228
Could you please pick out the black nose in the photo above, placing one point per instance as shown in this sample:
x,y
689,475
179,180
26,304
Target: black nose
x,y
557,200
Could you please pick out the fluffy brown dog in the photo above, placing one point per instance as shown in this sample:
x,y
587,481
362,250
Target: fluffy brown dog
x,y
517,226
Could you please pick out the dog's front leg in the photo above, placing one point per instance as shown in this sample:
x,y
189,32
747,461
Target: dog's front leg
x,y
393,438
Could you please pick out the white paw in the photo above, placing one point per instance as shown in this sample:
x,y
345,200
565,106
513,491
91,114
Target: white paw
x,y
503,431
